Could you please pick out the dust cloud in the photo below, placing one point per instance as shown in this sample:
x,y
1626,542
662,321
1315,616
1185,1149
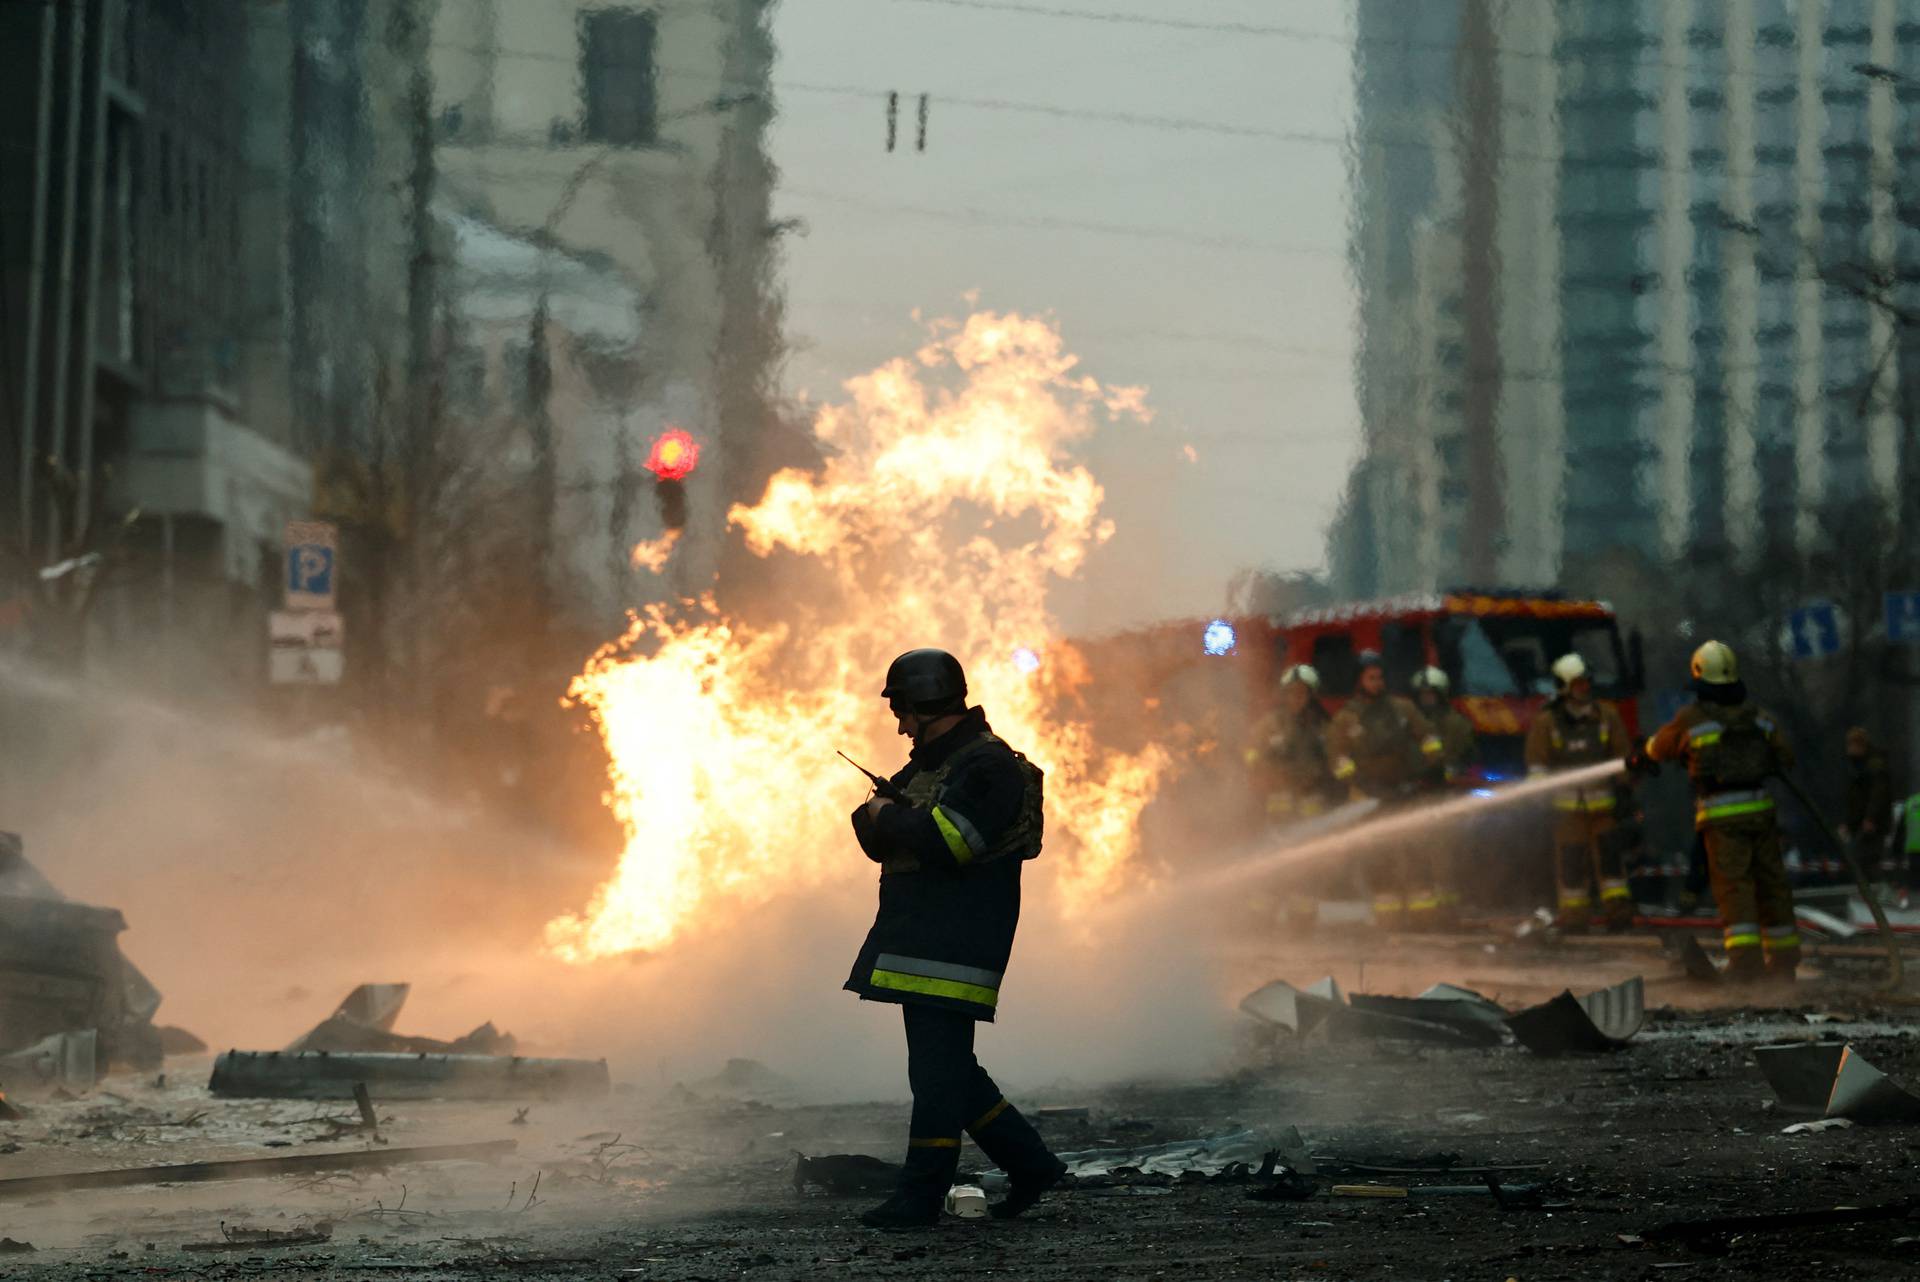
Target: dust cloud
x,y
262,877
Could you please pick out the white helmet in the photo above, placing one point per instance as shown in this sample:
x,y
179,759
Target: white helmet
x,y
1567,669
1434,679
1714,664
1303,673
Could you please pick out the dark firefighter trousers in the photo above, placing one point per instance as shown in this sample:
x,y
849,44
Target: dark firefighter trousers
x,y
952,1094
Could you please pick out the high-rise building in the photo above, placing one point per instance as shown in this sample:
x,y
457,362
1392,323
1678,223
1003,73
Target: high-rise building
x,y
1674,217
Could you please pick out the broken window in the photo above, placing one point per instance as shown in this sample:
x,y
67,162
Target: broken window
x,y
616,76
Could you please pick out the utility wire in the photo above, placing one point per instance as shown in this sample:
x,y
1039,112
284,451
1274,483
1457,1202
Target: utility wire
x,y
1587,54
1630,161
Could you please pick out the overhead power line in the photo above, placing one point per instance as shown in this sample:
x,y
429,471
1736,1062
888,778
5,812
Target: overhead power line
x,y
1447,47
1631,162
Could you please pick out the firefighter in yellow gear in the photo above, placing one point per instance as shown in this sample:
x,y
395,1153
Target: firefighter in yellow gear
x,y
1430,690
1579,730
1381,748
1731,746
1288,752
1575,729
1287,757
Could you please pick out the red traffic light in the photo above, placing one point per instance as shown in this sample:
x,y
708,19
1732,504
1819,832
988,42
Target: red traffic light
x,y
674,455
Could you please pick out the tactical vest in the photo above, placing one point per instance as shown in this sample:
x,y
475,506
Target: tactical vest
x,y
1021,840
1733,749
1580,741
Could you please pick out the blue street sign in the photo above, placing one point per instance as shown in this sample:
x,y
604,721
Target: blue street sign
x,y
1903,618
310,571
1815,630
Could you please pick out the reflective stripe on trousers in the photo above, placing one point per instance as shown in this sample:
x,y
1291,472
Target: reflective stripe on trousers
x,y
1741,934
1730,805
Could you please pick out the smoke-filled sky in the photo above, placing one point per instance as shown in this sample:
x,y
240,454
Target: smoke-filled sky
x,y
1230,301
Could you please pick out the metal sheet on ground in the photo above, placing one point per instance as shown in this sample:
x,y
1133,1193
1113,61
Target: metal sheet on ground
x,y
1831,1079
1600,1021
321,1075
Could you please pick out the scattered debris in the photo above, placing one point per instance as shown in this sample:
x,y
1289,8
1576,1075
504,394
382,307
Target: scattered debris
x,y
1830,1079
844,1174
1599,1021
241,1239
1465,1013
323,1075
1686,950
1825,1124
364,1022
1063,1113
58,1060
1295,1181
1435,1016
1776,1221
248,1168
178,1041
967,1201
8,1246
1296,1010
1825,923
61,970
1239,1155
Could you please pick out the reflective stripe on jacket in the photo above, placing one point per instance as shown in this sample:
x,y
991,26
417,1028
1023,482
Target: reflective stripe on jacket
x,y
950,860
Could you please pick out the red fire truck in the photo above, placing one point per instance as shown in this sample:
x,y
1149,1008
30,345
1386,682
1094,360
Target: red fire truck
x,y
1496,647
1199,687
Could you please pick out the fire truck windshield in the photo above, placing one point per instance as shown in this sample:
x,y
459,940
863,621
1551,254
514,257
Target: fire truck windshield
x,y
1511,655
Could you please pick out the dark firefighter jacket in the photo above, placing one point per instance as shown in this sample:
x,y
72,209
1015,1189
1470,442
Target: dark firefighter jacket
x,y
949,872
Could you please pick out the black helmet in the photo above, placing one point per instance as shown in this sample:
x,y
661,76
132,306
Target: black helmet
x,y
926,679
1370,659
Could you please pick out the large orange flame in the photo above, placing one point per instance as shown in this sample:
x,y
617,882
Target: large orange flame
x,y
948,507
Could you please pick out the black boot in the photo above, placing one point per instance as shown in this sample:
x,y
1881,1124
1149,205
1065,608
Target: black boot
x,y
1012,1144
921,1195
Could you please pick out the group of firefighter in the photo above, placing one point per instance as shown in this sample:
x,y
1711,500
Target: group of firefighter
x,y
1384,751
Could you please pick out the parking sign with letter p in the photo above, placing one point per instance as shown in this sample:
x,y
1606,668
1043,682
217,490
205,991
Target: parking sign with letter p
x,y
312,549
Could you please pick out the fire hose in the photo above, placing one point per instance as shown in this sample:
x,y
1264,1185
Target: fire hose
x,y
1896,970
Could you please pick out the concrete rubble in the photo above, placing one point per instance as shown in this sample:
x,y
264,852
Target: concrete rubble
x,y
63,976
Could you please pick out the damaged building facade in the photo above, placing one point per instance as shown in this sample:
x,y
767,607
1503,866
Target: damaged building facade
x,y
249,255
602,170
